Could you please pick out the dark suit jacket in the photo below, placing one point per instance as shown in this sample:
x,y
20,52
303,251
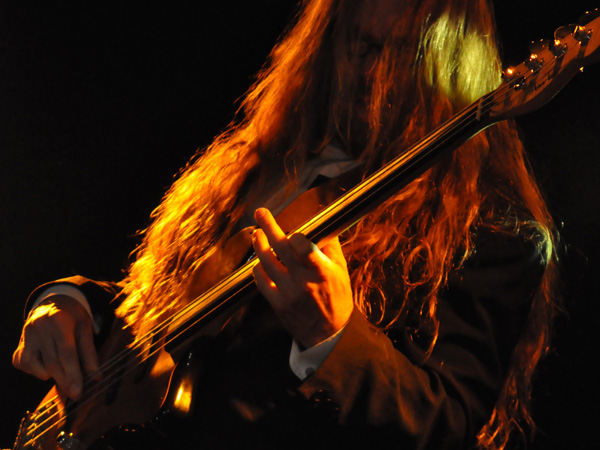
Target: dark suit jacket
x,y
376,389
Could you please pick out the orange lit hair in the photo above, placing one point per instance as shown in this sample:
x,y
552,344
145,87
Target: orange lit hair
x,y
423,76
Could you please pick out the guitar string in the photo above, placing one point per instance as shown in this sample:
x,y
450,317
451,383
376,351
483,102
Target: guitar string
x,y
128,356
193,304
100,390
127,352
121,371
476,106
170,320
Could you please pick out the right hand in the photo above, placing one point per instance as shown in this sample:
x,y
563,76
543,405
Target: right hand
x,y
57,342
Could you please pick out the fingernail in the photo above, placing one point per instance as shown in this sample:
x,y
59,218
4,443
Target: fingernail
x,y
262,212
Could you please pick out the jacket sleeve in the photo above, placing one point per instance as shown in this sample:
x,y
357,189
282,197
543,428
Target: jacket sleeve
x,y
103,298
386,381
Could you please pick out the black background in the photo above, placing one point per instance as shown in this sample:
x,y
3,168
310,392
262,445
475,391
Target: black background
x,y
100,105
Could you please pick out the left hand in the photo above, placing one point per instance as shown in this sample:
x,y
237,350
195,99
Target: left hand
x,y
308,288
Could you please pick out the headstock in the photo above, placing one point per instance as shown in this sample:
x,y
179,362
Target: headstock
x,y
551,64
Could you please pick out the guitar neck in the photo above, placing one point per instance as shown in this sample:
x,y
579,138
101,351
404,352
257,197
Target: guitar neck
x,y
525,88
344,212
410,163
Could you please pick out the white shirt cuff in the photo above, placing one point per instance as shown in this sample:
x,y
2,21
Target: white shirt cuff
x,y
67,290
304,363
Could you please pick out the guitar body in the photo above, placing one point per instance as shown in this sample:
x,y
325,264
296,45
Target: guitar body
x,y
150,410
131,394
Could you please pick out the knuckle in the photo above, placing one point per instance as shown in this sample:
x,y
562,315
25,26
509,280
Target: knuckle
x,y
30,329
24,359
17,359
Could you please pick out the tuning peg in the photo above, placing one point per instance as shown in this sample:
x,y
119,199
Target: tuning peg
x,y
534,63
564,31
509,73
513,78
589,16
579,32
559,47
582,34
537,49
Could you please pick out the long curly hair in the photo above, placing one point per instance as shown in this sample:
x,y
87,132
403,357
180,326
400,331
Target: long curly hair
x,y
439,58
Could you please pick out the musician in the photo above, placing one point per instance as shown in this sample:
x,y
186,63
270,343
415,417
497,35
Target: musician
x,y
421,325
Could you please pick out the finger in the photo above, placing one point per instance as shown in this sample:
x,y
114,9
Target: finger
x,y
271,265
319,262
66,350
28,359
50,361
265,285
87,350
306,252
275,235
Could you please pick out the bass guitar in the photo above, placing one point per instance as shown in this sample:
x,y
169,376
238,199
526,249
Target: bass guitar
x,y
138,381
